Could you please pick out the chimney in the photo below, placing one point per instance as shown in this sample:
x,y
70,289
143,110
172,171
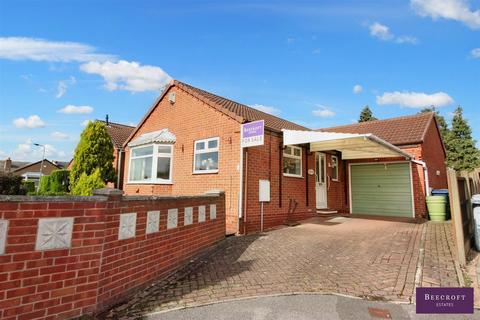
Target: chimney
x,y
7,166
106,120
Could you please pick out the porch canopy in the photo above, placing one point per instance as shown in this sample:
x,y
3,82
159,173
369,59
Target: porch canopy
x,y
352,146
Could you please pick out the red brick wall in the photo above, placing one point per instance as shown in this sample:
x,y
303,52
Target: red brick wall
x,y
190,119
434,156
98,269
265,162
337,190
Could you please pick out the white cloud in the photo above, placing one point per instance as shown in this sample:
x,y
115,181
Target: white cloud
x,y
357,88
406,39
33,121
458,10
267,109
414,99
71,109
57,135
130,76
28,152
63,85
290,40
382,32
323,112
18,48
475,53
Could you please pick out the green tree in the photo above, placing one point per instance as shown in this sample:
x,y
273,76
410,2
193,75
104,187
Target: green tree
x,y
87,183
442,123
366,115
461,151
94,151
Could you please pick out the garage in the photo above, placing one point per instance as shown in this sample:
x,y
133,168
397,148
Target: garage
x,y
383,189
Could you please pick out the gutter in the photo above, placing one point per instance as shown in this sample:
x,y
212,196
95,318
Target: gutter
x,y
425,172
388,145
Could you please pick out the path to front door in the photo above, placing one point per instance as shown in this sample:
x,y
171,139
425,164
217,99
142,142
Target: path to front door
x,y
321,180
358,257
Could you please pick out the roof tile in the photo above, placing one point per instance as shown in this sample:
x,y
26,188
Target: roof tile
x,y
398,131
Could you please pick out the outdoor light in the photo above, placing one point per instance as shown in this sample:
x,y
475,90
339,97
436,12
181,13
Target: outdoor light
x,y
41,164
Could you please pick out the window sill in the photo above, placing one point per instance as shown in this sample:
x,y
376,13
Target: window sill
x,y
205,172
149,182
335,180
292,176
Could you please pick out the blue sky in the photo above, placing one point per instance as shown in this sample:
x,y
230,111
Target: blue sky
x,y
313,62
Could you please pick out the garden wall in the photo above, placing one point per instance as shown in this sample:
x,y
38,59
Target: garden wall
x,y
61,257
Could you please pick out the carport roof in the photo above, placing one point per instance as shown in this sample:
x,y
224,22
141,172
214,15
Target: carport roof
x,y
352,146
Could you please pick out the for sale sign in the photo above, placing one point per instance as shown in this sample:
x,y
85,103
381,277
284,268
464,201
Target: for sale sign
x,y
252,133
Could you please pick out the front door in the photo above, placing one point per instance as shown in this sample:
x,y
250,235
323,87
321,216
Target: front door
x,y
321,180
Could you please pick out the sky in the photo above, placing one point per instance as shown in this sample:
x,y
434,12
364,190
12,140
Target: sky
x,y
316,63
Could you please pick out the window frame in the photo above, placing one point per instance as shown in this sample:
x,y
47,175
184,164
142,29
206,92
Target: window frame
x,y
155,155
206,150
293,156
335,169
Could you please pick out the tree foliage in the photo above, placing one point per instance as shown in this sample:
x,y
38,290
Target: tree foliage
x,y
462,153
87,183
11,185
94,151
366,115
57,183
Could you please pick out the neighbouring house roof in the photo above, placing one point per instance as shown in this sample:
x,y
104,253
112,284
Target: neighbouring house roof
x,y
118,132
53,163
240,112
397,131
159,136
13,166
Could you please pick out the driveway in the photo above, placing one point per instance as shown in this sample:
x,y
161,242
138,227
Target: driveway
x,y
371,259
304,307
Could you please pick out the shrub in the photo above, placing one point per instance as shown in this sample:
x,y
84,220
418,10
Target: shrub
x,y
93,152
28,186
57,183
87,183
11,184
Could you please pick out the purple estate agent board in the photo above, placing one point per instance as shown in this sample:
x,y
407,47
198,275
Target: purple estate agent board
x,y
444,300
252,133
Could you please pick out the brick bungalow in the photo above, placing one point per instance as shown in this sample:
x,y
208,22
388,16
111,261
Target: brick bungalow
x,y
189,143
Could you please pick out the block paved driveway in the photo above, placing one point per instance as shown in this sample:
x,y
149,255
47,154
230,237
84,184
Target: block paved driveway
x,y
373,259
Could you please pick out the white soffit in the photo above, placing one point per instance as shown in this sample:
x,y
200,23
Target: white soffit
x,y
352,146
160,136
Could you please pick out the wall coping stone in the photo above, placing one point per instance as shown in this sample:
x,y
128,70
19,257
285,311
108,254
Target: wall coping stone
x,y
17,198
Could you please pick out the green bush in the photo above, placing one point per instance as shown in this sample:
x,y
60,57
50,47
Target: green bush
x,y
11,185
87,183
94,152
57,183
28,186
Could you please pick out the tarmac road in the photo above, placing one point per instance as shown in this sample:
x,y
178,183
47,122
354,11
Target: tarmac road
x,y
302,306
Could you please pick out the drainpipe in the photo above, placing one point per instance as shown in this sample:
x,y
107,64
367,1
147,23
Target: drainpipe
x,y
425,172
240,194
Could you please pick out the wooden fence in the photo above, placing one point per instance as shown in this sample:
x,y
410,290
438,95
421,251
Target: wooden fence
x,y
461,186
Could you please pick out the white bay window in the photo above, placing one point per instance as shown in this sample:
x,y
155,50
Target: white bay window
x,y
151,164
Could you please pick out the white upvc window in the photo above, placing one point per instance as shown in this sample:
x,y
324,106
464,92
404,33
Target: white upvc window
x,y
334,168
205,158
292,161
151,164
